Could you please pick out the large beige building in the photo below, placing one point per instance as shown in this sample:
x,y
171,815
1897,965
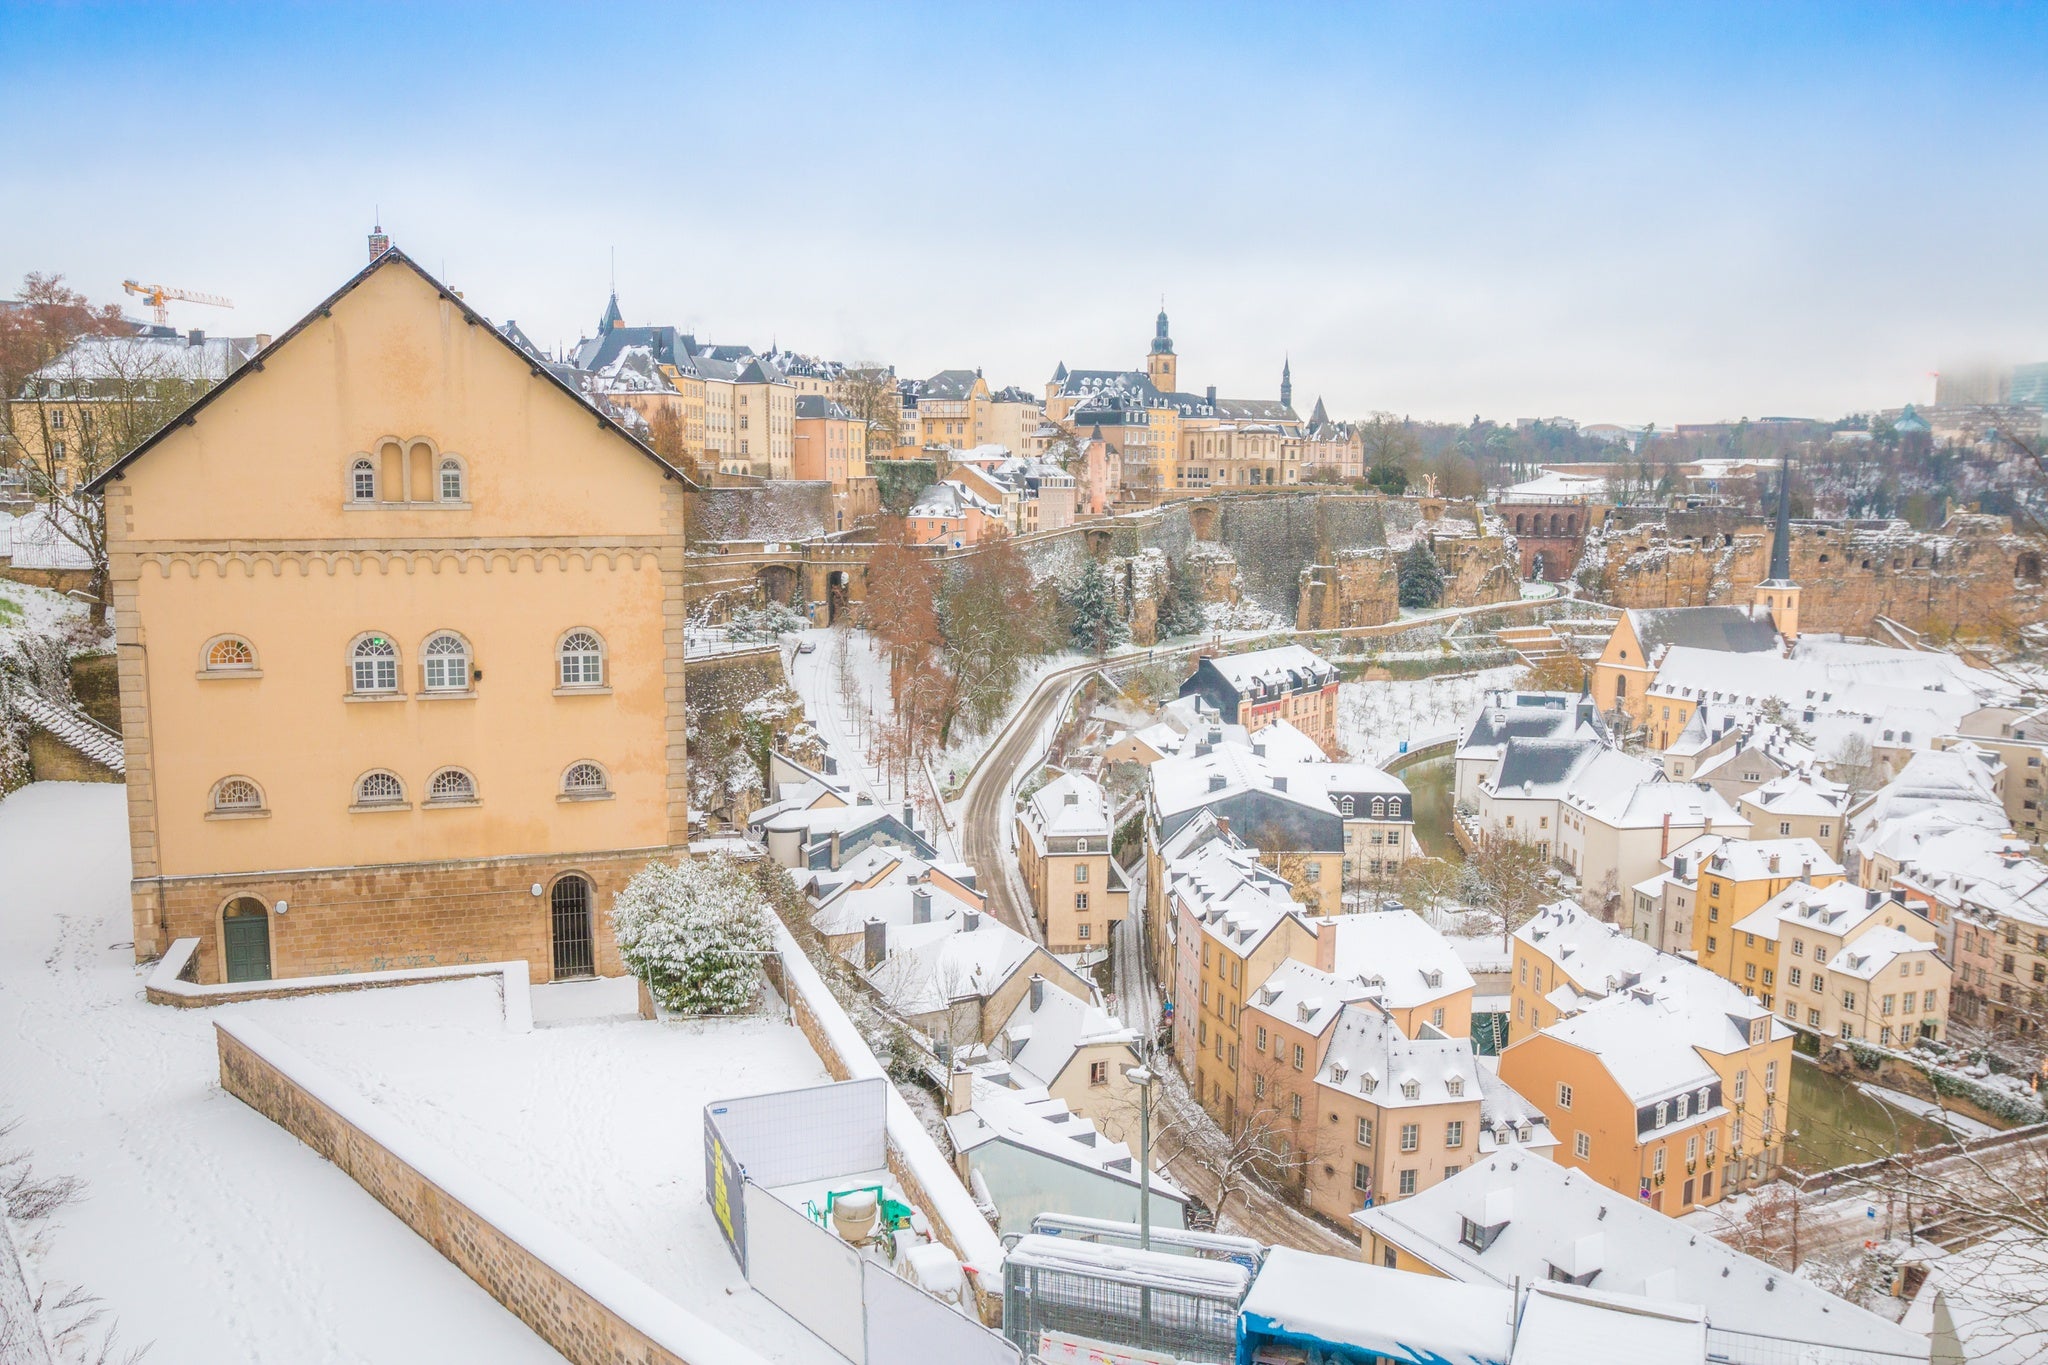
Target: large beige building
x,y
399,621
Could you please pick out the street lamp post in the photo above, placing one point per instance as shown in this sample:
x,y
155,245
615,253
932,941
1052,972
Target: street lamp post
x,y
1142,1077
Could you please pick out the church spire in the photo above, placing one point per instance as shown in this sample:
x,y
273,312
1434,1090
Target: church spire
x,y
1287,382
1781,537
612,316
1162,344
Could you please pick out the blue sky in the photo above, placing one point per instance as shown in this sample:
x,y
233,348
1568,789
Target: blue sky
x,y
1668,213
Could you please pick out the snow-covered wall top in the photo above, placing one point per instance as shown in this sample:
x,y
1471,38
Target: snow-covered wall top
x,y
779,511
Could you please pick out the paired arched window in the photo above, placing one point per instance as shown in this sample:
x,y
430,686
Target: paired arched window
x,y
444,663
451,787
373,664
230,654
362,480
580,659
454,486
585,779
236,796
380,788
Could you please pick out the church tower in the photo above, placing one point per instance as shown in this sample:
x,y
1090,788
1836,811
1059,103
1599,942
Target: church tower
x,y
1162,366
1778,594
1287,383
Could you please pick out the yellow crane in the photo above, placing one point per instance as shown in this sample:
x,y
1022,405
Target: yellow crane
x,y
157,295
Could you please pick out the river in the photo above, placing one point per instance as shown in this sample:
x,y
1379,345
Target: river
x,y
1431,781
1835,1124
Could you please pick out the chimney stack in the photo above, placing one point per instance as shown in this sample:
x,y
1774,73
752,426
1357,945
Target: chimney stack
x,y
195,337
874,942
380,242
959,1091
910,817
1664,846
970,921
1326,946
1037,992
921,905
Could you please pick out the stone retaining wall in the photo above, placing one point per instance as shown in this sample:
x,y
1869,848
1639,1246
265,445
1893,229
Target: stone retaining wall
x,y
558,1301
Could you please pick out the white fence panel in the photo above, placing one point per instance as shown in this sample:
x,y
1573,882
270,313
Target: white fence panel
x,y
806,1272
906,1324
810,1134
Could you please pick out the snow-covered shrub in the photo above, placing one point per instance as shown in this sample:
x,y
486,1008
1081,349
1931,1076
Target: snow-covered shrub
x,y
765,623
694,931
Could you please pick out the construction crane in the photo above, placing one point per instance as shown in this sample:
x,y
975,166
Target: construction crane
x,y
157,295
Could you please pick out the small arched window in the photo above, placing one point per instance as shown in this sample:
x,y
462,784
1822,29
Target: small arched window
x,y
585,780
581,659
451,787
451,481
230,654
374,664
380,789
445,663
237,796
362,481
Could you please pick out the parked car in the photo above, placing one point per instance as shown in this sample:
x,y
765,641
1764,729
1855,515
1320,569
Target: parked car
x,y
808,647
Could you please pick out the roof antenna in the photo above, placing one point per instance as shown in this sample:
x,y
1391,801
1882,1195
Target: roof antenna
x,y
615,270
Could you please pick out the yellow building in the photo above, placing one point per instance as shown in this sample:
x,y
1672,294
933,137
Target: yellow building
x,y
1063,839
1627,667
1852,963
1617,1043
399,625
1734,880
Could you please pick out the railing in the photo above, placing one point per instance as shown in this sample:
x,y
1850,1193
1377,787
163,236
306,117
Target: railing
x,y
1726,1347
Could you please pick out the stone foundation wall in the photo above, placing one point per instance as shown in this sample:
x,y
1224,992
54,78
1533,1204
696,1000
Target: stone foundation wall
x,y
562,1311
52,760
1974,576
780,511
1362,587
394,916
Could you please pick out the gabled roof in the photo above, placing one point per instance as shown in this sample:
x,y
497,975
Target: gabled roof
x,y
391,258
1730,630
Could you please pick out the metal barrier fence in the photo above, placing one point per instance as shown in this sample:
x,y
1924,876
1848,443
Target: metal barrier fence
x,y
1190,1326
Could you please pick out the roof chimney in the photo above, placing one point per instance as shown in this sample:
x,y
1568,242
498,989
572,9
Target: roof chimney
x,y
380,241
921,905
1217,781
1664,845
874,942
1326,946
970,921
195,337
959,1091
1212,395
1774,862
910,817
1037,991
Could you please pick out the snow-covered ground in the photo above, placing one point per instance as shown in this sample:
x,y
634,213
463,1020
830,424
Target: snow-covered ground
x,y
26,610
218,1236
1375,718
204,1227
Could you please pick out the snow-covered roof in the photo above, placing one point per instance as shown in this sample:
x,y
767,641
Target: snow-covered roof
x,y
1505,716
1397,955
1992,1295
1369,1055
1303,997
1871,955
1039,1041
1645,805
1553,1216
1335,1299
929,966
1072,805
1189,781
1978,873
1839,908
895,903
1292,667
1822,676
1598,960
1958,785
1724,631
1507,1121
1749,860
1027,1117
150,359
1551,769
1564,1324
1803,794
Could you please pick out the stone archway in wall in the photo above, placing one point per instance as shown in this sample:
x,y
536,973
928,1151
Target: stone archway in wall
x,y
1099,544
780,583
1202,521
838,597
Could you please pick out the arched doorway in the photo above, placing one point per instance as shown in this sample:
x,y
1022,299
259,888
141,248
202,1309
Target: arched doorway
x,y
245,939
778,584
569,915
836,595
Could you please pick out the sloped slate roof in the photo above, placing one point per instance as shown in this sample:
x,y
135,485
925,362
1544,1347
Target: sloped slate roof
x,y
1729,630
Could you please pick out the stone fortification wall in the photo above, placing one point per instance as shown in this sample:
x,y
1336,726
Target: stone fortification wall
x,y
1974,575
781,511
1361,587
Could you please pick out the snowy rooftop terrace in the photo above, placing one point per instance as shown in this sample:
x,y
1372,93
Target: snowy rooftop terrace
x,y
215,1233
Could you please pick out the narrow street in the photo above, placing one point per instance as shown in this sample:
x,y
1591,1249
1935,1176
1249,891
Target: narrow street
x,y
987,814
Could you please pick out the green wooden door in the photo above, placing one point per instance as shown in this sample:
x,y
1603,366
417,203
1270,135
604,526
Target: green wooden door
x,y
248,947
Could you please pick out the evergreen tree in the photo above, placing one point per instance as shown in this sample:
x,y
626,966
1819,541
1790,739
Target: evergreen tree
x,y
694,931
1421,578
1093,621
1180,602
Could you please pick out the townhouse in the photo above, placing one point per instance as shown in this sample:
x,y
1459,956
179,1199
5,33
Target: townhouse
x,y
1077,889
1734,881
1287,683
1853,963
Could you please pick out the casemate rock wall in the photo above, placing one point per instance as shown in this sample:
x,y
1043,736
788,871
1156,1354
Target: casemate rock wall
x,y
1975,576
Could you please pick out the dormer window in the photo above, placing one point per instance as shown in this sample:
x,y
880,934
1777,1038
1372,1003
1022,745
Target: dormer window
x,y
1456,1085
1411,1090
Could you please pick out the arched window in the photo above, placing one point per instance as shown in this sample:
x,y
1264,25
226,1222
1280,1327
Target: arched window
x,y
374,664
362,481
444,663
585,780
380,789
230,654
1379,805
1345,805
451,480
451,787
581,659
236,796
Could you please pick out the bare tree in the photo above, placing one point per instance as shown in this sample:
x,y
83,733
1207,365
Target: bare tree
x,y
868,390
1507,880
1427,885
81,393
